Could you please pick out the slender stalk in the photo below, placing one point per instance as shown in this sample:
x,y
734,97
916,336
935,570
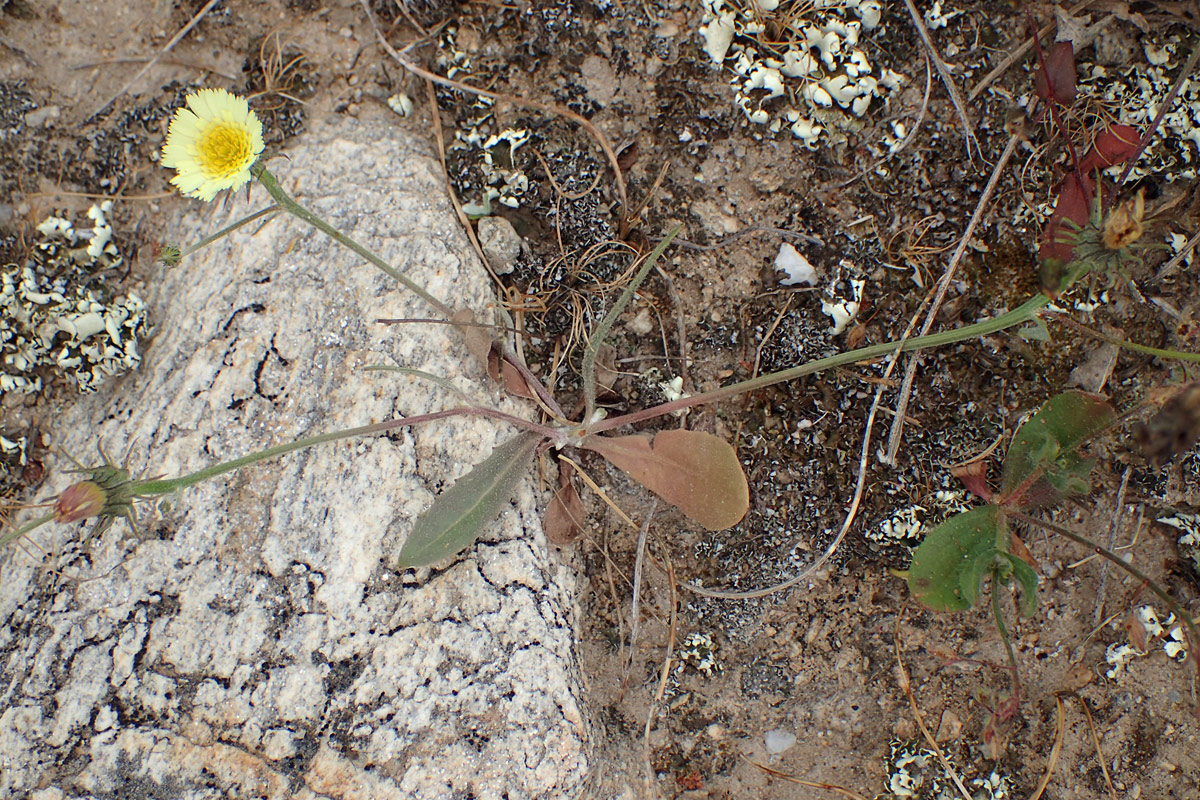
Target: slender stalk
x,y
13,536
1024,313
998,613
1104,552
285,202
1177,355
166,485
597,337
207,240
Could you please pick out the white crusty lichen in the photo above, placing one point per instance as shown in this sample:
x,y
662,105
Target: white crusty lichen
x,y
804,72
1134,93
55,313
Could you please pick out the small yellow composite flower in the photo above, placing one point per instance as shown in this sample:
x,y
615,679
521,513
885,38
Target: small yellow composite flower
x,y
212,143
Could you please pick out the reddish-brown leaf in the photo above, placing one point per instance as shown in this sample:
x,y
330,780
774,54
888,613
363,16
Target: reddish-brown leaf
x,y
697,472
564,518
514,382
479,340
1074,203
1060,69
1116,144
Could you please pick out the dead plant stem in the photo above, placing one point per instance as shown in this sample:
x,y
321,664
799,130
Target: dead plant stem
x,y
943,286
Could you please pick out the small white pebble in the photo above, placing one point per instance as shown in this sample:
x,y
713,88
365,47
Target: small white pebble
x,y
779,740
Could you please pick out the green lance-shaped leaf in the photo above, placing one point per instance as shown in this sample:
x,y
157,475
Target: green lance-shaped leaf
x,y
697,472
1045,448
949,566
460,513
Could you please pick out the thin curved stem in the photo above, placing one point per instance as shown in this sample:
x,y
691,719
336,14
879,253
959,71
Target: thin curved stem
x,y
1018,315
166,485
285,202
207,240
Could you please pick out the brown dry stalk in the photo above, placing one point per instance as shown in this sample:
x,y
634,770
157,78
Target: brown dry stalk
x,y
150,64
943,286
1060,727
947,78
844,792
906,684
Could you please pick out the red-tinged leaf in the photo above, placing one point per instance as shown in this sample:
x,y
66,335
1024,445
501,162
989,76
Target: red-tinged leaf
x,y
973,475
514,382
697,472
1074,203
1116,144
1060,69
564,518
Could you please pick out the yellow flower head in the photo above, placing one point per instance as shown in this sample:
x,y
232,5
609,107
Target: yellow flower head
x,y
212,143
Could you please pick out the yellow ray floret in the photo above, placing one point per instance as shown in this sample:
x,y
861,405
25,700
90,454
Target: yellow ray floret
x,y
212,143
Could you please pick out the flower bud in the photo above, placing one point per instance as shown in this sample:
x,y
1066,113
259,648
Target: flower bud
x,y
170,255
80,501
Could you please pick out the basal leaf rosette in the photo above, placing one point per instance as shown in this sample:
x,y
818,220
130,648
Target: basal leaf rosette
x,y
212,143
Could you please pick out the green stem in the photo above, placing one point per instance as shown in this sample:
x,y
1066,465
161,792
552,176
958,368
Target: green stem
x,y
1103,552
12,536
998,613
1170,355
207,240
289,205
1024,313
167,485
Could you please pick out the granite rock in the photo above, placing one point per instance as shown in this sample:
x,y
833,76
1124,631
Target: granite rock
x,y
248,640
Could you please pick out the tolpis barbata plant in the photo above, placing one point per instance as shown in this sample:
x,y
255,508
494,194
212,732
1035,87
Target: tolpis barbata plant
x,y
215,144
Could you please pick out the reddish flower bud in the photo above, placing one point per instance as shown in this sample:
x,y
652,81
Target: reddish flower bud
x,y
80,501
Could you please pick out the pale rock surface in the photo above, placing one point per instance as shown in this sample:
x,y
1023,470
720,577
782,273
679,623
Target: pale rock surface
x,y
250,643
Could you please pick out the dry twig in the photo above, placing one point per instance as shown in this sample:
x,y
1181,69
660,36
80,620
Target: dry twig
x,y
947,78
943,285
150,64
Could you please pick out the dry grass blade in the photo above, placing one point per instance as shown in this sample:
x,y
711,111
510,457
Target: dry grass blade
x,y
947,79
943,286
635,607
150,64
1060,727
844,792
906,684
1169,267
1087,713
663,677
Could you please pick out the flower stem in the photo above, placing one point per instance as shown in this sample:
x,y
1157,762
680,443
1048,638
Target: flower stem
x,y
167,485
207,240
14,535
285,202
1018,315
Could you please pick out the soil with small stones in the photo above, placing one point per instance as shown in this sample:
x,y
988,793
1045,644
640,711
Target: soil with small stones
x,y
827,660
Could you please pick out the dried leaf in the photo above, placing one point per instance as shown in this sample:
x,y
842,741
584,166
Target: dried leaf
x,y
564,518
697,472
460,513
479,340
514,382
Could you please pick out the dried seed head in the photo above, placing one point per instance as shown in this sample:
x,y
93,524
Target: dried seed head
x,y
80,501
1123,226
